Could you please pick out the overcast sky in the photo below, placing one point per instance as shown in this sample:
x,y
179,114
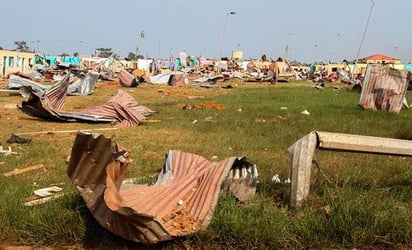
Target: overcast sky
x,y
317,30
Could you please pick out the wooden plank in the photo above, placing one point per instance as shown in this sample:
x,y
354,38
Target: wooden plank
x,y
65,131
26,169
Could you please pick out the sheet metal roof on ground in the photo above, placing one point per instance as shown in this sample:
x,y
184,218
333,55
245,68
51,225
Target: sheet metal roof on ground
x,y
180,203
384,88
122,109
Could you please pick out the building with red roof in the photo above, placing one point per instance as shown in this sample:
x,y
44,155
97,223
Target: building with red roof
x,y
382,59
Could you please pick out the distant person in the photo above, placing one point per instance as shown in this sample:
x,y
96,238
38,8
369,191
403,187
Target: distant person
x,y
263,58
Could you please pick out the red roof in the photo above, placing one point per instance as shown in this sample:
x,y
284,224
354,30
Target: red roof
x,y
379,57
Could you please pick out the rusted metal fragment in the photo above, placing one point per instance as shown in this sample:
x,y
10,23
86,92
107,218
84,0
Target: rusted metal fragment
x,y
301,155
384,88
181,202
122,109
127,79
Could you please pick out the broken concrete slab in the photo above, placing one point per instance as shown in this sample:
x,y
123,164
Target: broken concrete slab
x,y
302,151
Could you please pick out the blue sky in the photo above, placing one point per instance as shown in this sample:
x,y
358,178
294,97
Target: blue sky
x,y
317,30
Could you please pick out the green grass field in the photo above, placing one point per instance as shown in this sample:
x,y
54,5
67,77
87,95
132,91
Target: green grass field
x,y
356,200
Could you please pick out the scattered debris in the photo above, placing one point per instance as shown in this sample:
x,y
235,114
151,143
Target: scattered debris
x,y
49,191
17,139
276,178
43,195
10,106
7,151
180,203
27,169
64,131
384,88
121,109
127,79
305,112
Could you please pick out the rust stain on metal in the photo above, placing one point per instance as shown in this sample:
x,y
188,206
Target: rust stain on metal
x,y
384,88
181,202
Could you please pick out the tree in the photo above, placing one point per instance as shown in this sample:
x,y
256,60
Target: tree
x,y
22,46
106,52
133,56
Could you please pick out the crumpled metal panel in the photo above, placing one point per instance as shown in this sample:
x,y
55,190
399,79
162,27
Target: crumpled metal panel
x,y
122,109
384,88
127,79
180,203
302,151
85,85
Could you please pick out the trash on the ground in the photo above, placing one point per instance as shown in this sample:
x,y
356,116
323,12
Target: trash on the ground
x,y
122,109
276,178
17,139
180,203
302,151
283,108
43,195
65,131
49,191
7,151
305,112
10,106
27,169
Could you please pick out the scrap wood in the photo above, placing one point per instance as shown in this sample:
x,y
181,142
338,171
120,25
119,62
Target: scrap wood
x,y
26,169
151,121
36,201
40,194
64,131
7,151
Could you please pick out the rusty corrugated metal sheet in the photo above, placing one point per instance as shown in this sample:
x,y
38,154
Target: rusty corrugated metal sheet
x,y
180,203
122,109
56,95
127,79
384,88
302,151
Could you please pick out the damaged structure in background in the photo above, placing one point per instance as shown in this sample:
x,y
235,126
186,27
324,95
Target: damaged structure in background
x,y
384,88
302,151
80,83
181,202
121,110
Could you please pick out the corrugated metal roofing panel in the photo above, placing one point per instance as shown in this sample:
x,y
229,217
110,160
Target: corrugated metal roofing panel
x,y
384,88
180,203
122,109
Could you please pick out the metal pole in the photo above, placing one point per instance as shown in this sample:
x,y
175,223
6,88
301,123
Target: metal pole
x,y
224,31
337,49
363,36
